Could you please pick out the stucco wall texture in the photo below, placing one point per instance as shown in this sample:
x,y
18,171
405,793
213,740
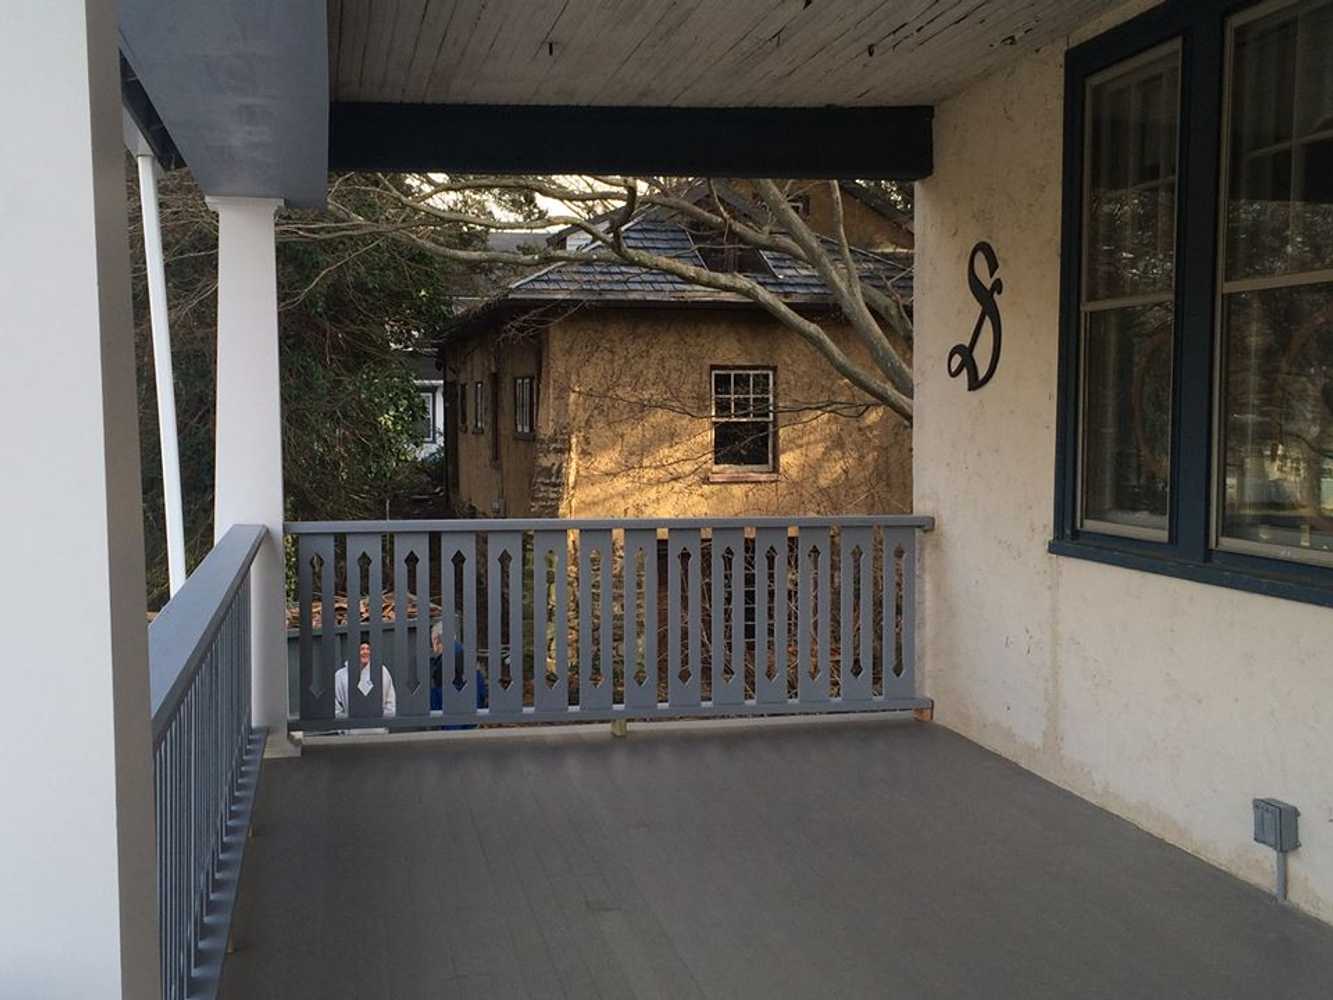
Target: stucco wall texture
x,y
631,388
623,410
495,488
1171,703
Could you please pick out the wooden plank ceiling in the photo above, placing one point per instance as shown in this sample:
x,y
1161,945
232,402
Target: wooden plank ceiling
x,y
681,53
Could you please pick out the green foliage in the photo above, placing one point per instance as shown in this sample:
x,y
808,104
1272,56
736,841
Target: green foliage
x,y
349,307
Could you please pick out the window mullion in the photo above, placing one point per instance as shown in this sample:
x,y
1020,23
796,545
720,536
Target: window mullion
x,y
1201,109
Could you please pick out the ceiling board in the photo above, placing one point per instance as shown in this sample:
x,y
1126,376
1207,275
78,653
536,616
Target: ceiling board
x,y
683,53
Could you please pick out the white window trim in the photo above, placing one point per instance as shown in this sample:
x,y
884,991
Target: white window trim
x,y
768,470
525,405
434,415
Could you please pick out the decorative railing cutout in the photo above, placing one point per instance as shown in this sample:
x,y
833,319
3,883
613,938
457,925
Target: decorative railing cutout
x,y
544,620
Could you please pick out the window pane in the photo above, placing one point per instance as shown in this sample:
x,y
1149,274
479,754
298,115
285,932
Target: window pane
x,y
1277,411
1131,198
741,443
1279,214
423,428
1127,416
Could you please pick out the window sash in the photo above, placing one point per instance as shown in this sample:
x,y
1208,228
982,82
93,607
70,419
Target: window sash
x,y
524,404
428,397
758,407
1189,551
1125,75
1230,288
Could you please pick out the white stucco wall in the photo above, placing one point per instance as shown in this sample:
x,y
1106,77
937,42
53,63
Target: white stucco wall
x,y
1168,702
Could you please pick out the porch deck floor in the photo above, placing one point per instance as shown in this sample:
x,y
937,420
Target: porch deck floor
x,y
854,858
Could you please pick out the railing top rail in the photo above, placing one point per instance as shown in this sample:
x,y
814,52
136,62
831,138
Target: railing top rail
x,y
180,636
922,521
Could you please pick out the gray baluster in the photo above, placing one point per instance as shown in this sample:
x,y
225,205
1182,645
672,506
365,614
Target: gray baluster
x,y
640,543
367,548
459,548
348,652
899,665
305,661
770,656
684,666
550,695
856,570
813,588
318,660
410,666
728,540
595,696
505,683
420,543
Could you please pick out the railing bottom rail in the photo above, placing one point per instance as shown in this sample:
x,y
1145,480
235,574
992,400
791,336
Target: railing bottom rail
x,y
484,717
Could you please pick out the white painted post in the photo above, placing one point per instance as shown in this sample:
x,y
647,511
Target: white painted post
x,y
248,488
166,388
78,916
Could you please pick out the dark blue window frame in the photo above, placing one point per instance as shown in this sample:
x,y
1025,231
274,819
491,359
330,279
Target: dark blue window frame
x,y
1200,27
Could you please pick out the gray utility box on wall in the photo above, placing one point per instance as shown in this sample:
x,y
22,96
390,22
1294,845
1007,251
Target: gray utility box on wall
x,y
1275,824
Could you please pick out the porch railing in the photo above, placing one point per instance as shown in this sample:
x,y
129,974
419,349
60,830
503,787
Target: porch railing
x,y
205,760
553,620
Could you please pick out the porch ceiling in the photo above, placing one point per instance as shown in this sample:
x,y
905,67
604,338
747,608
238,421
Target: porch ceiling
x,y
261,99
689,53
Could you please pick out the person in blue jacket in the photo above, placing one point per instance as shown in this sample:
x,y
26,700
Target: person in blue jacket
x,y
437,673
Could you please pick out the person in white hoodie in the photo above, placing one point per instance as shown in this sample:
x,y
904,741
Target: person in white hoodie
x,y
387,696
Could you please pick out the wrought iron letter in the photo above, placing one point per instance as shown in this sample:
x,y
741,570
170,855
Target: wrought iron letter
x,y
962,357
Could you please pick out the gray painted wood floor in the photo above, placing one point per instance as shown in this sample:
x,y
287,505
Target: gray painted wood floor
x,y
859,858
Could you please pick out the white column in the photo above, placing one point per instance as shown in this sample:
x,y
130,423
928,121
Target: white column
x,y
166,386
77,897
248,477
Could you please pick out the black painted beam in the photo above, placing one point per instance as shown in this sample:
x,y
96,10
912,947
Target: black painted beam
x,y
889,143
141,109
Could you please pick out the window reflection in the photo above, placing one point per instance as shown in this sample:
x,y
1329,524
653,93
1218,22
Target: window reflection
x,y
1128,295
1276,392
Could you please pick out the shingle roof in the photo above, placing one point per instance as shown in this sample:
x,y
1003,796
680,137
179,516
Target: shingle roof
x,y
786,277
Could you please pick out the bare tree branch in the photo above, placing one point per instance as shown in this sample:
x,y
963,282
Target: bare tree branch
x,y
421,219
851,303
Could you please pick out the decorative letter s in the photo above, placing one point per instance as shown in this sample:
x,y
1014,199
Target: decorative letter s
x,y
962,357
